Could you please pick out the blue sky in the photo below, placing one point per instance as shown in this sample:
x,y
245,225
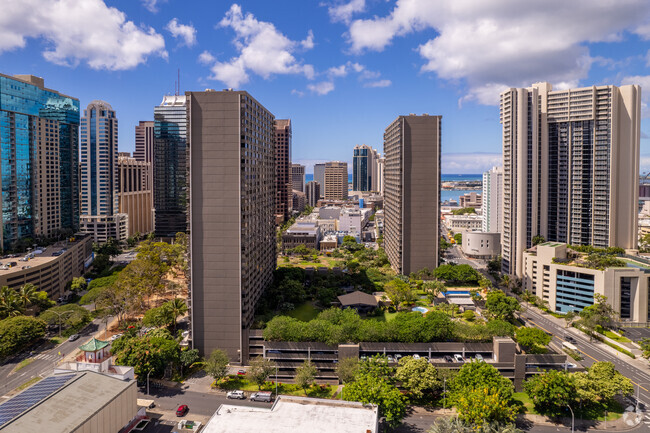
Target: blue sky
x,y
342,70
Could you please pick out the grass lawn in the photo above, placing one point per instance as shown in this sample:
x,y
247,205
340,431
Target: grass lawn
x,y
304,312
231,383
522,399
386,317
609,334
57,340
22,364
614,411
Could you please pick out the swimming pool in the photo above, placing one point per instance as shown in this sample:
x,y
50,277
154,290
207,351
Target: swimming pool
x,y
420,309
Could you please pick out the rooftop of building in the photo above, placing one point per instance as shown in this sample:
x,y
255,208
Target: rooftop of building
x,y
294,415
585,256
35,81
46,255
60,403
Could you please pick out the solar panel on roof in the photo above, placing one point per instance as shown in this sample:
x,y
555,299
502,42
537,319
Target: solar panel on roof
x,y
32,396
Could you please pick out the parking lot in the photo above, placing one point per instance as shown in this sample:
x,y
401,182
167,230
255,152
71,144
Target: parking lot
x,y
636,334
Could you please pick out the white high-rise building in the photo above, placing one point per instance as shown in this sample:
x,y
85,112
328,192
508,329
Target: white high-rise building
x,y
381,163
571,167
99,198
492,196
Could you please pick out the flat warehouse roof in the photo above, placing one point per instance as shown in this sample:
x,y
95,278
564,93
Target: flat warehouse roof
x,y
296,415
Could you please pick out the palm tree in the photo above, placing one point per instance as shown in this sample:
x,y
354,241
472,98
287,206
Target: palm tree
x,y
9,303
176,307
27,295
505,281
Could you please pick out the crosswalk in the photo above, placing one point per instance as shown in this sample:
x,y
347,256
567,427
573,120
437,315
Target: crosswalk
x,y
48,356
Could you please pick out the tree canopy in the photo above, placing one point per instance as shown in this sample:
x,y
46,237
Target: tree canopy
x,y
417,376
500,306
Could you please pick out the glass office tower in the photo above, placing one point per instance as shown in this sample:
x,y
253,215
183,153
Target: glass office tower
x,y
170,168
39,160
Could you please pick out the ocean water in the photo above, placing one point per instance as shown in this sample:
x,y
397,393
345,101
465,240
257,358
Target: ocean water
x,y
443,177
444,195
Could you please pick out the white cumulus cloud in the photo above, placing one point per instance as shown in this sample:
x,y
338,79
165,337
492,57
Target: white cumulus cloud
x,y
378,83
322,88
206,58
152,5
263,50
79,31
184,32
344,11
498,44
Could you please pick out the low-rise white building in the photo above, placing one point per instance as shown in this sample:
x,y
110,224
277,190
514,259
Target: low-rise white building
x,y
568,282
464,222
296,415
481,245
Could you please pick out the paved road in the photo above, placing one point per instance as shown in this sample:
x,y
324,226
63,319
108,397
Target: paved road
x,y
591,353
200,403
45,358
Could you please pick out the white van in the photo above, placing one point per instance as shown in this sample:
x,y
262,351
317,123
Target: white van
x,y
265,396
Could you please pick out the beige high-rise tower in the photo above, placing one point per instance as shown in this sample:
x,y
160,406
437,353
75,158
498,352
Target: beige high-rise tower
x,y
232,216
412,193
336,180
571,167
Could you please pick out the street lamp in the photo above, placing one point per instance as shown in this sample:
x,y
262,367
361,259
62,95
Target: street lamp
x,y
572,419
148,373
444,393
59,315
638,389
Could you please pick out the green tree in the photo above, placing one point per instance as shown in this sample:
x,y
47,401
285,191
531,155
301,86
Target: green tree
x,y
478,376
216,366
569,317
458,237
551,392
18,332
110,248
10,305
532,338
69,316
148,355
159,316
306,375
176,307
506,281
598,314
484,283
398,291
78,284
260,370
538,240
500,306
645,346
601,383
368,388
417,376
433,289
377,366
347,369
485,405
494,265
27,295
189,357
501,328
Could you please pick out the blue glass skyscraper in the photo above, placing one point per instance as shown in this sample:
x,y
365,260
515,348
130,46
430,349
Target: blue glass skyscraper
x,y
39,161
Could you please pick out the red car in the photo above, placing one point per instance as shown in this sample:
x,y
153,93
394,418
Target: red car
x,y
241,373
182,410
